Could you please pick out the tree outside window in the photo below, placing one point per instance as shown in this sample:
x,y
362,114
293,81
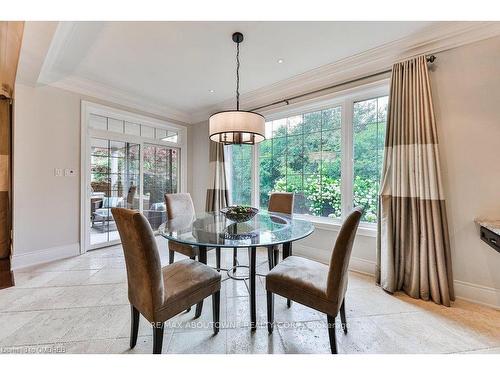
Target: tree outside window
x,y
303,154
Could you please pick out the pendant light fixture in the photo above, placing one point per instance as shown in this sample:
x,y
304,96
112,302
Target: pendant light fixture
x,y
236,126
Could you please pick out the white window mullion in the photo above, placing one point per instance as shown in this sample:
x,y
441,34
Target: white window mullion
x,y
228,171
347,157
228,158
141,176
255,177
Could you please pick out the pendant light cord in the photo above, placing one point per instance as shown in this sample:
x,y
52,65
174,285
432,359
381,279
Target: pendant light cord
x,y
237,76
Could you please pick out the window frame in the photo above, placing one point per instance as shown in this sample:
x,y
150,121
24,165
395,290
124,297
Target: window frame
x,y
345,99
229,160
89,108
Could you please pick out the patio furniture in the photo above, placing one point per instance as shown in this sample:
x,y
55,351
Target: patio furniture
x,y
130,196
156,214
103,214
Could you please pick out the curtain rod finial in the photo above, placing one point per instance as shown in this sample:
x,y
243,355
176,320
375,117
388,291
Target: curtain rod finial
x,y
431,58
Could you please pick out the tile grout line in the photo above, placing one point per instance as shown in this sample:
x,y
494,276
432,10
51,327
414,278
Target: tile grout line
x,y
73,341
68,286
474,350
64,308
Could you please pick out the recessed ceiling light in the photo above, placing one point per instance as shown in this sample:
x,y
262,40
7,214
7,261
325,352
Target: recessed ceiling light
x,y
211,91
281,61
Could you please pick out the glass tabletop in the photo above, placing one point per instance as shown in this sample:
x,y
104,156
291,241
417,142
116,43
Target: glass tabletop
x,y
213,229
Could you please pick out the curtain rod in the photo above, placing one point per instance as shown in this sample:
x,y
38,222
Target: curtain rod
x,y
430,59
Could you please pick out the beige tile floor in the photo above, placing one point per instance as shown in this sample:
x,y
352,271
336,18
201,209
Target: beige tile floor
x,y
79,305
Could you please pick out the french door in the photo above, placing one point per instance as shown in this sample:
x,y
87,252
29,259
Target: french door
x,y
160,176
126,173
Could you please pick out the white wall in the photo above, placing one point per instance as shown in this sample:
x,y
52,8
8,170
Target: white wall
x,y
198,163
47,208
466,88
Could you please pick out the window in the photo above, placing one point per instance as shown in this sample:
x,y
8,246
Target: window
x,y
160,170
369,120
128,161
114,180
310,154
98,122
240,159
303,156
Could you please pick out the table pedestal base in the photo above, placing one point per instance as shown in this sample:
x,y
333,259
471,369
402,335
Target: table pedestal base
x,y
251,276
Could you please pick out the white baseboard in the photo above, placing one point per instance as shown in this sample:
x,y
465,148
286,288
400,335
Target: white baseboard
x,y
360,265
479,294
363,266
310,252
33,258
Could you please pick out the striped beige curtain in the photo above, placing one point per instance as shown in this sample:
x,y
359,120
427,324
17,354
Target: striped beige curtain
x,y
217,193
413,248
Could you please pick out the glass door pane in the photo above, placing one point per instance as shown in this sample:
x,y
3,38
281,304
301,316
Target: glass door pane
x,y
161,176
114,182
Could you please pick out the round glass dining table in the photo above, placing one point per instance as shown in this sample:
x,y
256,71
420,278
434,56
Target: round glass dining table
x,y
213,230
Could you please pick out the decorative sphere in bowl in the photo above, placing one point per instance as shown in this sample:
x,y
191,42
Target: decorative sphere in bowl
x,y
239,214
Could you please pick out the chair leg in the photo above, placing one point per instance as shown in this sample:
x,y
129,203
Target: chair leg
x,y
287,251
202,258
216,311
199,308
331,333
157,337
342,316
171,256
192,258
270,312
134,326
235,257
270,257
217,258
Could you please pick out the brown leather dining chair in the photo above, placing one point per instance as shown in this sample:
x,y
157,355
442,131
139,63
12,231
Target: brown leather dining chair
x,y
280,203
314,284
181,204
159,293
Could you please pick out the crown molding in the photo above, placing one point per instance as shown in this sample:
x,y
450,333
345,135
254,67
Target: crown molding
x,y
438,38
93,89
52,76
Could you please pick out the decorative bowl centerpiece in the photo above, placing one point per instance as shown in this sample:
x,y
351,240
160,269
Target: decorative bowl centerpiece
x,y
239,214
